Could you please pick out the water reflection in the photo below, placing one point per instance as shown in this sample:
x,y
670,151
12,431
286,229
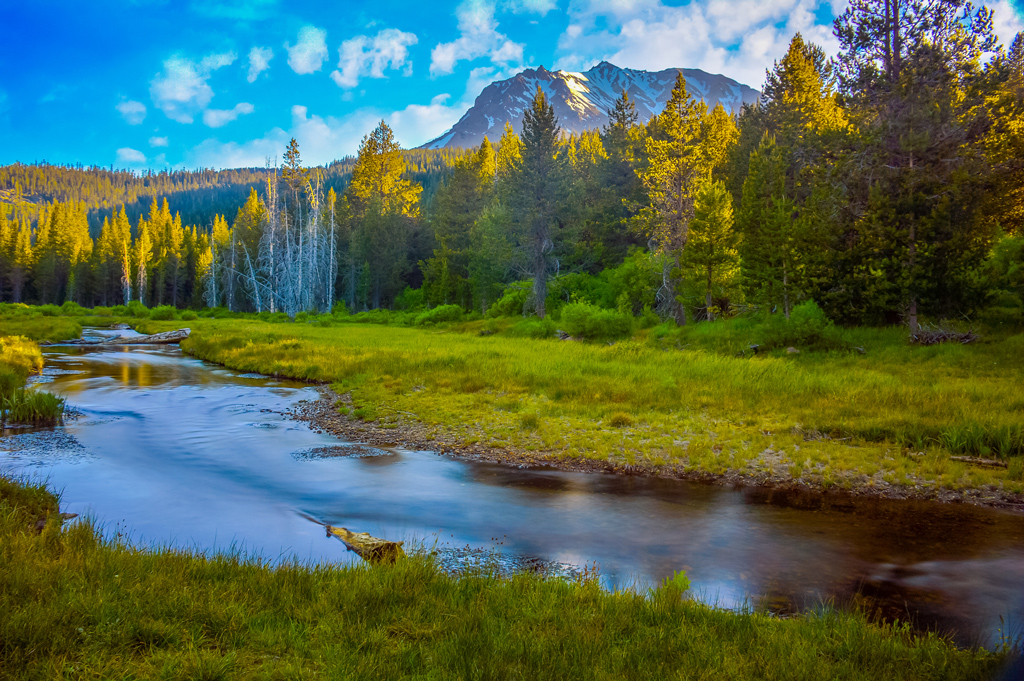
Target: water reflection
x,y
188,454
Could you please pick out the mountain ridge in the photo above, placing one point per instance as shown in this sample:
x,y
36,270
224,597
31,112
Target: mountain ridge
x,y
581,100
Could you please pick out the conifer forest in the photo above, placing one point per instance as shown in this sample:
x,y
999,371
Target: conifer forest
x,y
886,185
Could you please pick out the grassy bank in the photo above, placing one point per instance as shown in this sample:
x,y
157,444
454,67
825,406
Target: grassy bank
x,y
892,417
20,357
79,606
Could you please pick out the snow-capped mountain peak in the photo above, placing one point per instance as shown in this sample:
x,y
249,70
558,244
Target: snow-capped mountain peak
x,y
582,100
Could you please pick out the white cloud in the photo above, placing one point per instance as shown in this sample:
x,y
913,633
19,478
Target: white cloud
x,y
366,56
1006,21
323,139
158,141
541,7
133,112
215,118
127,156
738,38
253,154
310,52
181,90
259,61
478,37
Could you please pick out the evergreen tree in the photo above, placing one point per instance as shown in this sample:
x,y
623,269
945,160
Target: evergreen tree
x,y
535,182
711,250
677,166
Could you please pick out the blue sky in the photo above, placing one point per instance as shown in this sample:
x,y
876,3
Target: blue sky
x,y
226,83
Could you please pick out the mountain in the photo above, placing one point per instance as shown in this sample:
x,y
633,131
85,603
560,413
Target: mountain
x,y
582,100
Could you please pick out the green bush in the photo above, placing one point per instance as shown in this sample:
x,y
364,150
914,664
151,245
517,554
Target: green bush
x,y
442,313
582,320
49,310
119,311
189,315
533,327
278,318
73,309
301,317
102,311
411,300
339,309
807,327
137,309
511,304
163,313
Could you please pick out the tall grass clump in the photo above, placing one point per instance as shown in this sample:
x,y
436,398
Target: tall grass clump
x,y
20,357
78,605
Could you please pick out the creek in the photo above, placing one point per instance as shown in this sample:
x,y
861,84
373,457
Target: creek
x,y
168,450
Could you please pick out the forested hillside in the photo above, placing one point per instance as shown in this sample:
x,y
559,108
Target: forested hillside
x,y
886,185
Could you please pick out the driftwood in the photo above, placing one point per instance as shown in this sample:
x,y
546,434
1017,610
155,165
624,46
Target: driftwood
x,y
371,549
941,334
165,338
991,463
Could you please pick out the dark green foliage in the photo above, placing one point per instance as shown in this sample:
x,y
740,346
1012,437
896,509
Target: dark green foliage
x,y
590,322
807,327
534,327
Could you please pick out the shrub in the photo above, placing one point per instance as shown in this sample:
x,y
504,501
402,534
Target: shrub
x,y
339,309
807,327
189,315
49,310
582,320
301,317
137,309
119,311
442,313
278,318
512,303
73,309
533,327
163,313
101,311
411,299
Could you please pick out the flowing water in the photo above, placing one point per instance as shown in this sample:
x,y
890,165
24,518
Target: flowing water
x,y
170,450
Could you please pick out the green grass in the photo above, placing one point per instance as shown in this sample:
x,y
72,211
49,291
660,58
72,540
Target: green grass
x,y
19,357
893,415
80,606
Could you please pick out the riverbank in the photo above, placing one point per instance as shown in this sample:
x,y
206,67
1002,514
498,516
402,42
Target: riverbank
x,y
78,605
888,423
332,414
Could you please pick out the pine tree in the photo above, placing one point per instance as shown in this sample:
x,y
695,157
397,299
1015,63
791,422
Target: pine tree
x,y
677,166
535,182
711,250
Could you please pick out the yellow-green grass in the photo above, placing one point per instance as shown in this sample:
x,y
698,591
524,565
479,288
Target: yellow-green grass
x,y
20,357
79,606
882,418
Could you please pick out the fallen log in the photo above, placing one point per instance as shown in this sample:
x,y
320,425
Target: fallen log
x,y
991,463
369,548
165,338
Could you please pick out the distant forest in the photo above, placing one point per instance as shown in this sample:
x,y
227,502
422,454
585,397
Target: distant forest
x,y
886,185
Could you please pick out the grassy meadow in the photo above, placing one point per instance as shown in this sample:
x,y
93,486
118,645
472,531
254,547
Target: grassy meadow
x,y
892,416
78,605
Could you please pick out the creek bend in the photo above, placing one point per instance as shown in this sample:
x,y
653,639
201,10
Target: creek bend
x,y
175,451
